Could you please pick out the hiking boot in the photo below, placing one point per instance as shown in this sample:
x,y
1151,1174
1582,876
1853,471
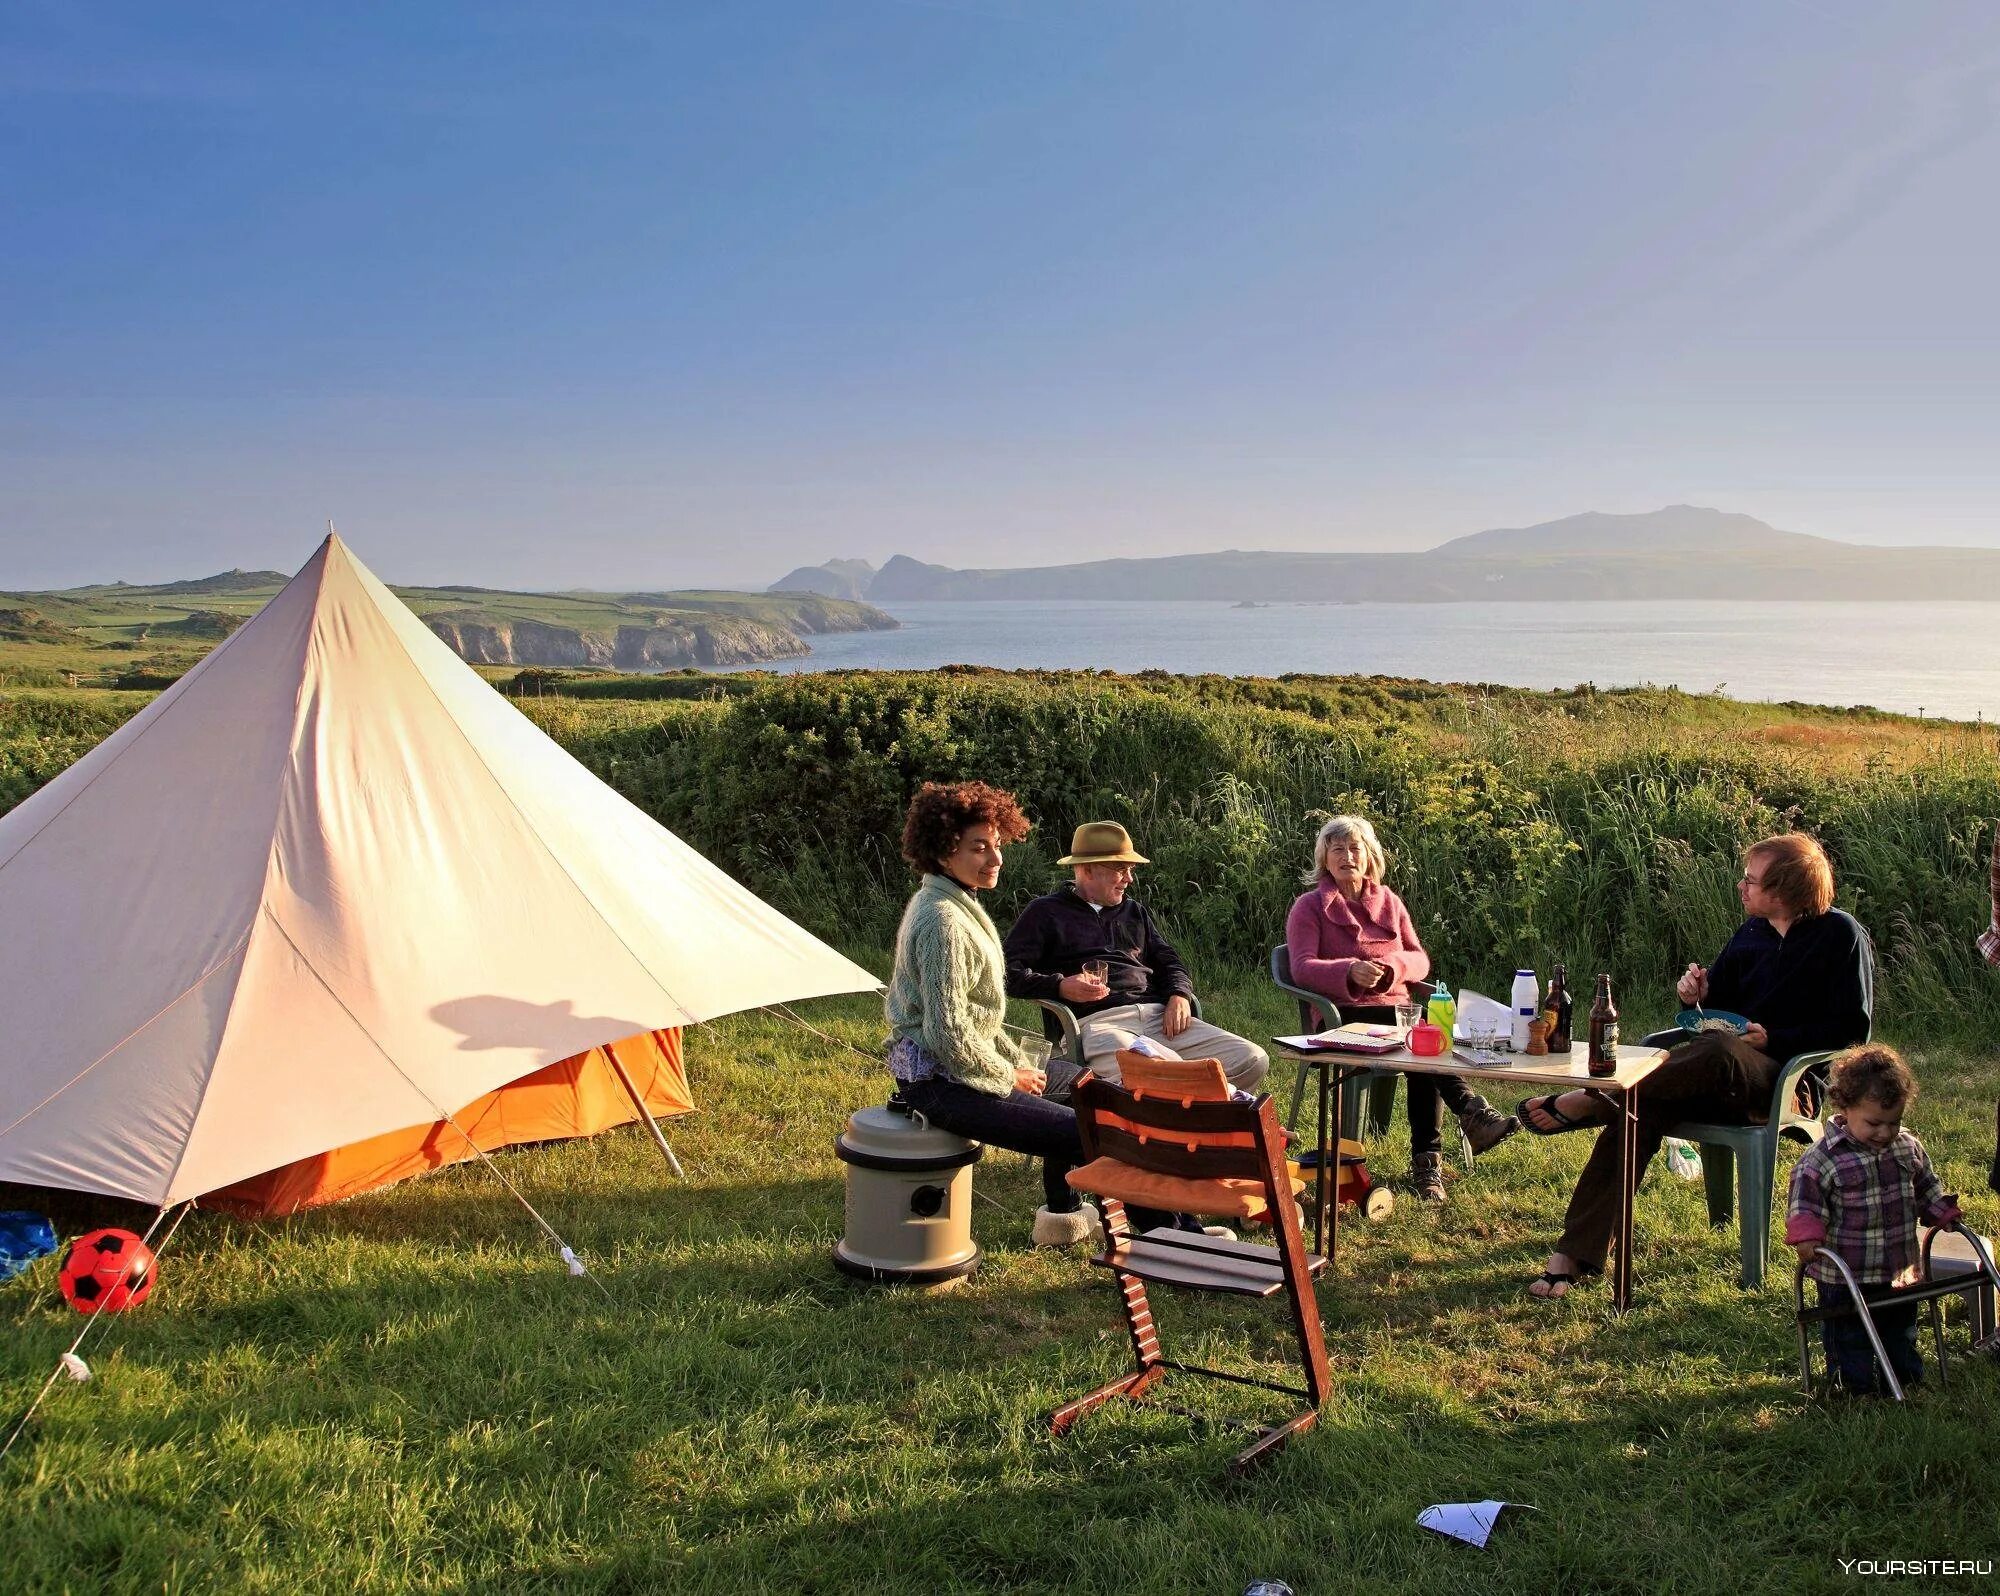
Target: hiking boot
x,y
1485,1126
1427,1175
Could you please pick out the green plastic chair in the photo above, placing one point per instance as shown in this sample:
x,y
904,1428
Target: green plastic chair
x,y
1739,1163
1376,1088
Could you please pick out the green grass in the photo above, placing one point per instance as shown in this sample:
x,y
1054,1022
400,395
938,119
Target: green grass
x,y
405,1392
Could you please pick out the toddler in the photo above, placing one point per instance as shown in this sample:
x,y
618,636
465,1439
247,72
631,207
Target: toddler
x,y
1859,1193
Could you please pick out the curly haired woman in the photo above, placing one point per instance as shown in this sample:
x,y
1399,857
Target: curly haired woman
x,y
948,1047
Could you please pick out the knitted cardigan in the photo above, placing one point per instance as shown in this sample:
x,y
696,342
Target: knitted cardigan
x,y
947,993
1327,932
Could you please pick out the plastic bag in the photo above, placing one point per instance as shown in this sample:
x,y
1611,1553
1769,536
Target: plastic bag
x,y
24,1237
1683,1158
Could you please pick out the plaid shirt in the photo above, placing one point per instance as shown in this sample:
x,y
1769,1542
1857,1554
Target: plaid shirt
x,y
1864,1204
1989,939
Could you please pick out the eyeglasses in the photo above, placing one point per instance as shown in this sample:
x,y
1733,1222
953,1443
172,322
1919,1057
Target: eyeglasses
x,y
1749,881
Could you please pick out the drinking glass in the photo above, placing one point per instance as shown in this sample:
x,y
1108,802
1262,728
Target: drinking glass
x,y
1407,1016
1096,969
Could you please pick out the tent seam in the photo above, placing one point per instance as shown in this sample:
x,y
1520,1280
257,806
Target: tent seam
x,y
193,987
270,853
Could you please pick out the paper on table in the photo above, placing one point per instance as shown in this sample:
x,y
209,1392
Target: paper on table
x,y
1480,1015
1471,1522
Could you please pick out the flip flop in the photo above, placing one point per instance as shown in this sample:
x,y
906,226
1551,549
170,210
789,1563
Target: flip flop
x,y
1546,1104
1549,1279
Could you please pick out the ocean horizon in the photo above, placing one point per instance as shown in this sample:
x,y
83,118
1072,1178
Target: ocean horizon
x,y
1939,658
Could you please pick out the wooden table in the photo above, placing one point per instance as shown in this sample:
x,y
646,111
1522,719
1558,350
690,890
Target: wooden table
x,y
1551,1072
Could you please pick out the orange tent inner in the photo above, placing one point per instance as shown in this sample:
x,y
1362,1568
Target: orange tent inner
x,y
576,1096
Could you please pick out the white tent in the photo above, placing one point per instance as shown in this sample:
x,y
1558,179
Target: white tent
x,y
329,885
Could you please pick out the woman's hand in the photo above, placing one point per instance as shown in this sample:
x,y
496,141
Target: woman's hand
x,y
1366,975
1030,1080
1692,987
1756,1036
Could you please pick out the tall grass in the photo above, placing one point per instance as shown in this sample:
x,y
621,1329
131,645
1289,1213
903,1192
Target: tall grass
x,y
1603,830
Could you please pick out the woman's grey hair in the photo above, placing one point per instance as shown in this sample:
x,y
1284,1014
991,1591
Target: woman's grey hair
x,y
1342,828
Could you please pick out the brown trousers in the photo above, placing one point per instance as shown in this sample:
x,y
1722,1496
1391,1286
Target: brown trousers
x,y
1715,1078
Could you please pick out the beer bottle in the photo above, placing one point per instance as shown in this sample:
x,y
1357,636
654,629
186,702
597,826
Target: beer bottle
x,y
1558,1006
1603,1055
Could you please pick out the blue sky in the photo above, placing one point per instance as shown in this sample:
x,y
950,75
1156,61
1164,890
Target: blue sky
x,y
679,294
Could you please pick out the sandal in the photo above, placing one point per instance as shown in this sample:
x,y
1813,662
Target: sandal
x,y
1549,1279
1546,1105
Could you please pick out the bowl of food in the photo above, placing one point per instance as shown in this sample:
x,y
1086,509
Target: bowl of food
x,y
1695,1021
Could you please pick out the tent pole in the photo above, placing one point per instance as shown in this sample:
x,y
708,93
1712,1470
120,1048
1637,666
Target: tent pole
x,y
645,1113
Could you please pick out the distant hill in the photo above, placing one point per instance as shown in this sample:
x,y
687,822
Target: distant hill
x,y
846,579
1682,552
1684,528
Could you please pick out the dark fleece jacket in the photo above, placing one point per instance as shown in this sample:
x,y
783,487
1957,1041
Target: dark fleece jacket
x,y
1057,933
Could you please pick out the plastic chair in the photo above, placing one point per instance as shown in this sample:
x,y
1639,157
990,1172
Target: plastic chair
x,y
1064,1032
1377,1088
1739,1163
1176,1141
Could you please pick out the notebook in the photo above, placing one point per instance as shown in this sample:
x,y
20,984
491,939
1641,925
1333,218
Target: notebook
x,y
1355,1038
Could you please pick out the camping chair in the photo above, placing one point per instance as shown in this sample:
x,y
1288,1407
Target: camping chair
x,y
1172,1138
1933,1284
1750,1152
1065,1034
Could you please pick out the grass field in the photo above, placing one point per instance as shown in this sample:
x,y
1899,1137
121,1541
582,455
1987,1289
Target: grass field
x,y
406,1392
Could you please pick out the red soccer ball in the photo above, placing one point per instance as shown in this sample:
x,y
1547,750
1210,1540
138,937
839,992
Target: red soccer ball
x,y
107,1271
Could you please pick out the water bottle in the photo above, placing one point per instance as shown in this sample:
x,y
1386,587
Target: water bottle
x,y
1442,1011
1527,998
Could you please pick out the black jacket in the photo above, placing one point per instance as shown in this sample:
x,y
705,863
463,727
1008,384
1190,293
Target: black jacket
x,y
1809,989
1057,933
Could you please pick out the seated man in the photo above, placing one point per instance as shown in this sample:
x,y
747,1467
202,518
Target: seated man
x,y
1144,991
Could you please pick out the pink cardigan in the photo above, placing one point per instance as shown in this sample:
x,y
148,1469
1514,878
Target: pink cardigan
x,y
1327,932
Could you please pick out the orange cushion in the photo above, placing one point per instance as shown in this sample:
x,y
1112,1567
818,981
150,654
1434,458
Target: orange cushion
x,y
1186,1080
1239,1199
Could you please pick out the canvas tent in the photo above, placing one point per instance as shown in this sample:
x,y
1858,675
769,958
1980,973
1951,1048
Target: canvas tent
x,y
328,889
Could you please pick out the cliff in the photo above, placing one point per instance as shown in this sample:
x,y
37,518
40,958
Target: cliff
x,y
486,640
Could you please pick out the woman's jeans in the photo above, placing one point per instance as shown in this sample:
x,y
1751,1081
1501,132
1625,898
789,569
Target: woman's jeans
x,y
1426,1092
1021,1123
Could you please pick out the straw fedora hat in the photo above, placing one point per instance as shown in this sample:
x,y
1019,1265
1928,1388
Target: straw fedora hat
x,y
1101,842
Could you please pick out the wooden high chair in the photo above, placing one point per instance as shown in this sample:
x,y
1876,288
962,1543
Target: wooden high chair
x,y
1170,1138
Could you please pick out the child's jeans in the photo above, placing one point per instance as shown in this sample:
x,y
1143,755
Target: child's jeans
x,y
1849,1356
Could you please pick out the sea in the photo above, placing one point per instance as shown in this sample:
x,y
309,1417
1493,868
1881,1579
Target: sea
x,y
1933,659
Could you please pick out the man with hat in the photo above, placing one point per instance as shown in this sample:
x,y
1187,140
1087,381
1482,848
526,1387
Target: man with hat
x,y
1144,991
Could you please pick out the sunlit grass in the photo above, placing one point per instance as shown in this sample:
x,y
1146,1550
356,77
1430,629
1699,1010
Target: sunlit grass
x,y
406,1392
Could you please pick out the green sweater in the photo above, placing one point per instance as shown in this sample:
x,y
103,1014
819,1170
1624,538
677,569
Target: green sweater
x,y
948,992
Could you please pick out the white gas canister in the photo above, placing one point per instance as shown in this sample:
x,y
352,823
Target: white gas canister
x,y
1527,998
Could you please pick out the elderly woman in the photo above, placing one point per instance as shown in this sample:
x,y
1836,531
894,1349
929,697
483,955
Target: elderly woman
x,y
948,1045
1351,940
1794,971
